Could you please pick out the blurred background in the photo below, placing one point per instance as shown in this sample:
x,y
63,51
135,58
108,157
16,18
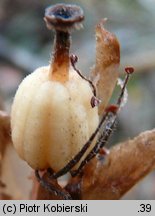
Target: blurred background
x,y
25,44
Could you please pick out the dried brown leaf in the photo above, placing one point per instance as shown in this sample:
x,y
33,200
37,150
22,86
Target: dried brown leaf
x,y
4,131
15,175
4,135
126,164
105,72
13,171
4,140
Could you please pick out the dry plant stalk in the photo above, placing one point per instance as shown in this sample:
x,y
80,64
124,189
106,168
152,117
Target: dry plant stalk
x,y
125,166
